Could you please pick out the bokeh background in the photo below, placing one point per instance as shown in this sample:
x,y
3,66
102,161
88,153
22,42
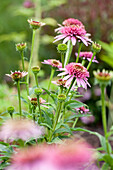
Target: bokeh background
x,y
96,15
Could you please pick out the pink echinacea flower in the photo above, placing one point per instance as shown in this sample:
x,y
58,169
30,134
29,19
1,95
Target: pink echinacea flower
x,y
53,63
17,75
75,70
87,55
73,30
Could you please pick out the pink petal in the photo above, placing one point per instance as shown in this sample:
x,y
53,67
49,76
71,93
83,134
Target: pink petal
x,y
66,77
62,74
82,39
68,82
60,37
66,39
73,39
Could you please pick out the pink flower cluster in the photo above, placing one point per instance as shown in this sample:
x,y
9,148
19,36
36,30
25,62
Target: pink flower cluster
x,y
69,156
73,30
75,70
20,129
87,55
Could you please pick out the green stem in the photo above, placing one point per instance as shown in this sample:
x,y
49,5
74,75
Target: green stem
x,y
29,68
62,58
56,117
34,108
68,53
36,79
79,49
51,76
104,115
70,86
83,62
22,57
19,100
75,122
94,53
39,108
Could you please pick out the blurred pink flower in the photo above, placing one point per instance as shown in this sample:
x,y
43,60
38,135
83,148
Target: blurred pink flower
x,y
53,63
20,129
75,70
88,119
87,55
73,30
28,4
74,155
32,158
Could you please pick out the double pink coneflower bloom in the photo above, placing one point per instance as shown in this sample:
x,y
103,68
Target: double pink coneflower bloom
x,y
72,29
75,70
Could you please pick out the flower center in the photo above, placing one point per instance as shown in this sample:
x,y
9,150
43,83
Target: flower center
x,y
17,75
104,74
55,62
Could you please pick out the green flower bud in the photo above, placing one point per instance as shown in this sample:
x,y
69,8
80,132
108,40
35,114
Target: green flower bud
x,y
21,47
62,48
10,110
38,91
61,97
35,69
96,47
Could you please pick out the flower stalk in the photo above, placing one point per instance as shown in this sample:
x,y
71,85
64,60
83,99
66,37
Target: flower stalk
x,y
104,115
19,100
68,53
94,53
70,86
79,49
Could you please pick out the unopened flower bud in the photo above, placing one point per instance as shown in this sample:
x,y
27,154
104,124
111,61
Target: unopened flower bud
x,y
35,24
35,69
10,110
21,46
38,91
61,97
96,47
62,48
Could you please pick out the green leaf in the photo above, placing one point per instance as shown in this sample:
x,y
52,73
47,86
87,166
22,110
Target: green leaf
x,y
45,124
66,129
56,140
47,119
101,138
109,160
73,104
105,167
53,96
